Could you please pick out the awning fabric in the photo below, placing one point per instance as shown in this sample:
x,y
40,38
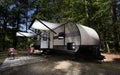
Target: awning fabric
x,y
43,25
25,34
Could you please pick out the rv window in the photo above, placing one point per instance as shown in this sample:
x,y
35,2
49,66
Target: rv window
x,y
61,35
55,37
44,37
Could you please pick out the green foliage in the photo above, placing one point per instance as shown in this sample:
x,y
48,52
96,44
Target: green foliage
x,y
98,14
13,13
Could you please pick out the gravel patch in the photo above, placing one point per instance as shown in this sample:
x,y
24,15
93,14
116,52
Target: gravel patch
x,y
64,65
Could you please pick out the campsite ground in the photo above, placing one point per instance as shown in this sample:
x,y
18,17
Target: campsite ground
x,y
65,65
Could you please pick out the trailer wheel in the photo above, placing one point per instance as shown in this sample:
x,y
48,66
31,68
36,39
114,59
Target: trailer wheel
x,y
46,52
101,61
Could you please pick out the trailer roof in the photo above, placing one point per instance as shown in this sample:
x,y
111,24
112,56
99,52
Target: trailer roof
x,y
88,35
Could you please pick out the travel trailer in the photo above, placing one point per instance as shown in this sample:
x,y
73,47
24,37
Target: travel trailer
x,y
68,37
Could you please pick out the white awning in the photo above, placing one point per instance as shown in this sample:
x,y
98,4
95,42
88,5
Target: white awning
x,y
25,34
44,25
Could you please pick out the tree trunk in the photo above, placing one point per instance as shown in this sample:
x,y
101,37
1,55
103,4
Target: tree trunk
x,y
116,26
107,47
4,34
117,38
113,9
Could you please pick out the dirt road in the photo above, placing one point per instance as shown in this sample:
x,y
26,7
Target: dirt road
x,y
64,65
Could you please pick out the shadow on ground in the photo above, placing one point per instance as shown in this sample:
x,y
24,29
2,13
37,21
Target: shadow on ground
x,y
64,64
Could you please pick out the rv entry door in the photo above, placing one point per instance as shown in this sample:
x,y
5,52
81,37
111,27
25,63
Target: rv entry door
x,y
44,40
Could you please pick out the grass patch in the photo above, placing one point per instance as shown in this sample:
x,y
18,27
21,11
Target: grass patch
x,y
2,57
109,65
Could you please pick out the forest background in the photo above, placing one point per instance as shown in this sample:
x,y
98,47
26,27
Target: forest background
x,y
17,15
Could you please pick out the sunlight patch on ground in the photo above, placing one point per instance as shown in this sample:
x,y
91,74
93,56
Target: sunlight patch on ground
x,y
10,62
67,66
63,65
110,57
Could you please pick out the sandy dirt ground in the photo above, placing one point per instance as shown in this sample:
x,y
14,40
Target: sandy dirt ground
x,y
66,65
111,57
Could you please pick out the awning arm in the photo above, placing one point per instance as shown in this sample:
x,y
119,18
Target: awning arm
x,y
47,26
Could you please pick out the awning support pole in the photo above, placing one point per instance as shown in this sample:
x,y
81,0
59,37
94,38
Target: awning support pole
x,y
47,27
